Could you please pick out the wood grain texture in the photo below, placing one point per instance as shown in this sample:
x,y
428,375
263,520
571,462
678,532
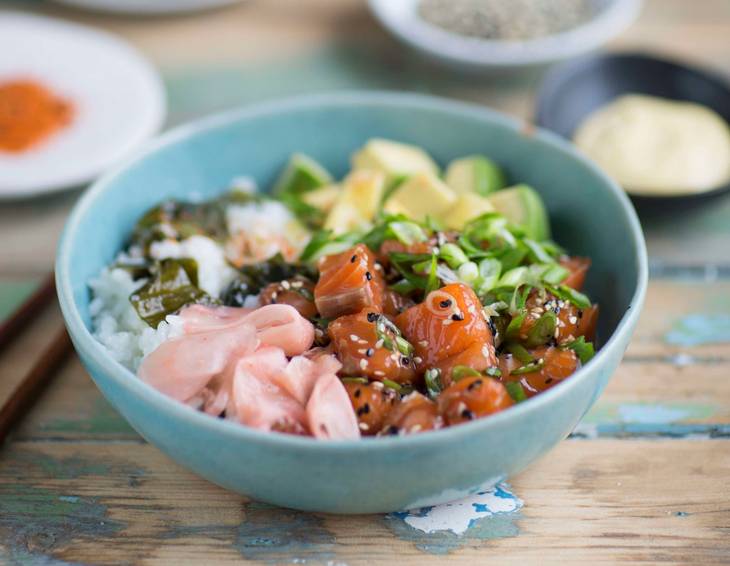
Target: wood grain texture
x,y
608,500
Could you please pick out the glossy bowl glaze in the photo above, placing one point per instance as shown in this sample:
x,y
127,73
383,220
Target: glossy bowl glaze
x,y
590,215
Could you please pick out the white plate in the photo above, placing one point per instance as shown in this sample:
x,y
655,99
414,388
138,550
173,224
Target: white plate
x,y
400,17
147,6
118,101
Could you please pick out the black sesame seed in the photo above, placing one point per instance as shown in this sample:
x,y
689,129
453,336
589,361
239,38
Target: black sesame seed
x,y
353,258
364,410
580,313
405,360
446,303
467,414
457,317
373,316
474,384
369,352
549,380
392,430
357,393
492,327
368,276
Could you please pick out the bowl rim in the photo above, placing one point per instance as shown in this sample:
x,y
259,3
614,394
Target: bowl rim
x,y
477,52
88,347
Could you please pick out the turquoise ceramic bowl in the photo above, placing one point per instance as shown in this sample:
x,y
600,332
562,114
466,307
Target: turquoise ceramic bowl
x,y
590,215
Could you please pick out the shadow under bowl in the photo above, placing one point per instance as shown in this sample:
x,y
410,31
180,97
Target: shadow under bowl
x,y
591,216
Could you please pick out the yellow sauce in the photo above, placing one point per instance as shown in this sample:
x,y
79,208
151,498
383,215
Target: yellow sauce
x,y
654,146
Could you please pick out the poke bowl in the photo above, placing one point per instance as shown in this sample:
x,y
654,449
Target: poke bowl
x,y
339,471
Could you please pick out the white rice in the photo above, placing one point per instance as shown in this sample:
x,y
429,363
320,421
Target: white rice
x,y
115,321
117,325
214,273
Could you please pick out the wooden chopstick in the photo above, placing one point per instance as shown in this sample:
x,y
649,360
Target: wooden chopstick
x,y
31,308
31,386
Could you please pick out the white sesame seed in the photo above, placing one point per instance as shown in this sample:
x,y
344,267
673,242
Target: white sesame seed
x,y
418,359
364,426
379,343
573,319
361,341
379,373
423,343
361,351
378,385
363,364
354,338
447,321
285,284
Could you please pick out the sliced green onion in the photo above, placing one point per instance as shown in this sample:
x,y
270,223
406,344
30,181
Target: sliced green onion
x,y
516,391
520,352
362,380
493,371
432,378
584,350
452,255
460,372
532,367
542,331
404,346
392,385
407,233
468,272
433,281
513,328
569,294
514,277
538,252
489,272
403,287
555,274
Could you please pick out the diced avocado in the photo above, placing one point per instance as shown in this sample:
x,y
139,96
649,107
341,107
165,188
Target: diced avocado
x,y
301,174
421,195
323,198
475,174
394,159
344,217
467,207
364,190
357,201
522,205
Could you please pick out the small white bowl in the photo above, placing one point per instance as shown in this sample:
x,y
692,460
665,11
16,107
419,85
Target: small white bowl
x,y
118,98
401,18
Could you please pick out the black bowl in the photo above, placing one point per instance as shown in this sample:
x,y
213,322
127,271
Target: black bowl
x,y
573,90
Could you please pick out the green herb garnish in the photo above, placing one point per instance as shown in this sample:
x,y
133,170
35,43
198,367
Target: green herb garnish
x,y
516,391
432,378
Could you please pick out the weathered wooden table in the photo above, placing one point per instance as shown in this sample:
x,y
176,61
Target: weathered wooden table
x,y
645,477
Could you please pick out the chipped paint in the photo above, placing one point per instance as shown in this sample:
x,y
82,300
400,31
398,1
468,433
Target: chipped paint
x,y
698,329
35,522
441,529
275,535
658,413
653,420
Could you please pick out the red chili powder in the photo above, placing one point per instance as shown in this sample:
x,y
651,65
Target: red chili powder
x,y
29,113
